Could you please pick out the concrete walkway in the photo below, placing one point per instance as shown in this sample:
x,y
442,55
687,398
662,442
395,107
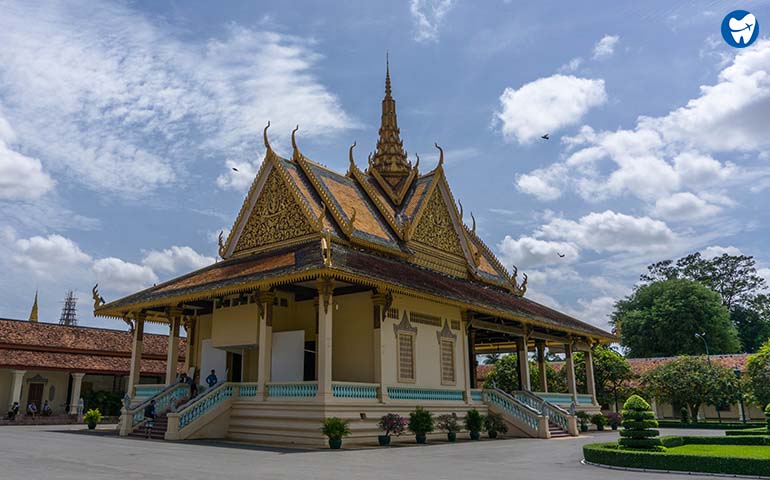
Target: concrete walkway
x,y
67,452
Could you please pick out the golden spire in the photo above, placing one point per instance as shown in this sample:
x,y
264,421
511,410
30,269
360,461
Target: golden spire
x,y
33,313
389,158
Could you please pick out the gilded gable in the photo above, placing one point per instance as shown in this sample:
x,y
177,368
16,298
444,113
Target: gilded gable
x,y
276,217
436,228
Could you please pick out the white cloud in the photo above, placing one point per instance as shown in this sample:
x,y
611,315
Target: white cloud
x,y
121,276
49,256
176,259
528,252
611,232
572,65
114,101
595,311
547,105
684,206
606,46
428,15
718,250
21,177
764,273
239,175
543,183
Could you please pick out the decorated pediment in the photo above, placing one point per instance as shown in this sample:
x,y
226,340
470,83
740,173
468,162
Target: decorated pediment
x,y
435,226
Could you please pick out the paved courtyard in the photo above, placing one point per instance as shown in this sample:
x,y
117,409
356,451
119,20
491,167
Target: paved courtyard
x,y
57,452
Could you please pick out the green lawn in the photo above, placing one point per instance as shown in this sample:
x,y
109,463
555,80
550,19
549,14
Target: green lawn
x,y
743,451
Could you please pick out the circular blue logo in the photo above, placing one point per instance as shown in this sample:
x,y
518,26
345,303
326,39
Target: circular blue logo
x,y
740,28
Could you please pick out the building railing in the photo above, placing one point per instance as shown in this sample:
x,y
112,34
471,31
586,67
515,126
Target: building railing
x,y
477,395
247,390
355,390
292,389
514,407
555,413
201,405
165,400
412,393
565,398
147,390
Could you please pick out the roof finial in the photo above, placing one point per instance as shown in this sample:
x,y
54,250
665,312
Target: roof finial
x,y
387,73
389,158
350,154
264,135
441,156
295,154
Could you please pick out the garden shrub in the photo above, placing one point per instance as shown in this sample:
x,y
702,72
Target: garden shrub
x,y
638,425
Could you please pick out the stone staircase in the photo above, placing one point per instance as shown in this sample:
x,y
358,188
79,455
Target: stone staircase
x,y
158,431
556,431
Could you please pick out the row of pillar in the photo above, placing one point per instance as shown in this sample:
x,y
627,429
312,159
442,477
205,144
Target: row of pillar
x,y
172,351
17,382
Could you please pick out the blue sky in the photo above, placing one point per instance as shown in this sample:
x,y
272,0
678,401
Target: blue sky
x,y
120,124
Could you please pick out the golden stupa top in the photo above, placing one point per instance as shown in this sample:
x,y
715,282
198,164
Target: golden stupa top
x,y
389,159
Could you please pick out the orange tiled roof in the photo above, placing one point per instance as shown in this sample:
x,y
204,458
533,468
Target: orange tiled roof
x,y
52,346
640,366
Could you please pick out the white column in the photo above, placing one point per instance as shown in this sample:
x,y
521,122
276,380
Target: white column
x,y
77,381
524,363
540,345
466,356
17,381
324,346
265,347
378,314
136,354
172,352
590,382
570,366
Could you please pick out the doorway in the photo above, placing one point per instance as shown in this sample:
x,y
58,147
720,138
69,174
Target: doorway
x,y
36,395
235,366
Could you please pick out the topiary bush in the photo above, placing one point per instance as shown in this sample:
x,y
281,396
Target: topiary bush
x,y
639,426
767,416
684,415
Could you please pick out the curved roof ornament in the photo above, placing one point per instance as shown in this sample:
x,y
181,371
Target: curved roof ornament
x,y
417,164
295,153
461,208
264,136
441,156
473,229
350,154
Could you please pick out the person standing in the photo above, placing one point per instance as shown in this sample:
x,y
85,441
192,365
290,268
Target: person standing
x,y
212,380
149,416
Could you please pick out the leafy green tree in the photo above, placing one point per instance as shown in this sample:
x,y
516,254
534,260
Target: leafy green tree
x,y
556,382
491,358
692,381
661,319
752,323
758,373
611,372
505,375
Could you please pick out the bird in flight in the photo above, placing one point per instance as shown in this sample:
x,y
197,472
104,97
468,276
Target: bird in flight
x,y
547,136
561,255
234,169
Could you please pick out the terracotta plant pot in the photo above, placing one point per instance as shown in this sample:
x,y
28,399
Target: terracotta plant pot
x,y
492,434
384,440
421,438
451,436
475,435
91,426
335,443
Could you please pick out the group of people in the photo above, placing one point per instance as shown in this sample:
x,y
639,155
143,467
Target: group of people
x,y
150,413
32,410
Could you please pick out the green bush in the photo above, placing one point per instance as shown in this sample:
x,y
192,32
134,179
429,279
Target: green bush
x,y
108,403
709,425
92,417
747,431
493,422
583,418
420,421
335,428
767,415
610,454
599,420
448,423
474,421
638,425
684,415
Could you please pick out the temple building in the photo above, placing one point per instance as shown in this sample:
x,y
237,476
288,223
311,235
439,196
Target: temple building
x,y
352,294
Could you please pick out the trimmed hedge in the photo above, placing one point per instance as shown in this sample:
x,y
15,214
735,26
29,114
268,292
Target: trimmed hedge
x,y
611,454
708,425
748,431
638,424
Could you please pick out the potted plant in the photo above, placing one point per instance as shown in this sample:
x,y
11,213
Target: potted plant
x,y
600,421
448,423
614,419
92,417
474,422
584,419
335,429
421,424
494,424
391,424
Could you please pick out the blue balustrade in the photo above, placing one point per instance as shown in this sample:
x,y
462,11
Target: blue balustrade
x,y
512,407
476,395
351,390
292,390
406,393
248,390
202,405
166,399
147,390
555,413
565,398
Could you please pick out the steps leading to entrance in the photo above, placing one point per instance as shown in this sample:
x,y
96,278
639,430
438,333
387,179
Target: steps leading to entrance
x,y
158,431
556,431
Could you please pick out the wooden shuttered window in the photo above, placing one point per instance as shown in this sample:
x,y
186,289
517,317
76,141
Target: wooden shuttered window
x,y
448,362
406,370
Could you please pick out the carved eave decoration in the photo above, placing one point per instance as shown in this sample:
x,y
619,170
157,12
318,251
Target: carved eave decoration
x,y
395,196
360,177
404,326
446,333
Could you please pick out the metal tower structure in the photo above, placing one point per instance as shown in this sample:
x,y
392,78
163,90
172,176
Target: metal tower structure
x,y
69,313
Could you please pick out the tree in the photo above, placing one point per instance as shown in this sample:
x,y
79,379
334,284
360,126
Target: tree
x,y
611,372
752,323
758,373
692,382
639,425
491,358
733,277
505,375
661,319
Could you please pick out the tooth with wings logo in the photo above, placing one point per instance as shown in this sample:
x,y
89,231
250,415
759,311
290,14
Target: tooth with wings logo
x,y
740,28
